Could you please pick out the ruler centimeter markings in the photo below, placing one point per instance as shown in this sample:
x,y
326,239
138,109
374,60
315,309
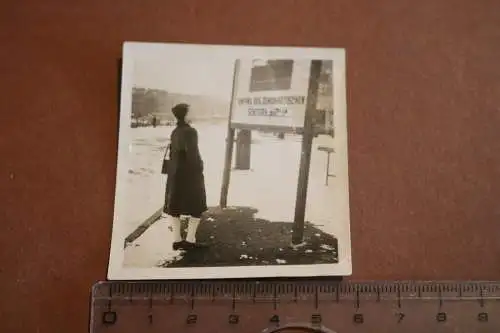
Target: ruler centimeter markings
x,y
220,306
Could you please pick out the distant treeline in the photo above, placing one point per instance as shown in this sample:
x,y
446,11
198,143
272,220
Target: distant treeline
x,y
149,103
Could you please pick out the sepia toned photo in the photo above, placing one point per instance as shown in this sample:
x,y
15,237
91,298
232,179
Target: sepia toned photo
x,y
232,163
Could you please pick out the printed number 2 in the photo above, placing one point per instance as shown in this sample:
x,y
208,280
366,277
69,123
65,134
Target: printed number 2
x,y
191,319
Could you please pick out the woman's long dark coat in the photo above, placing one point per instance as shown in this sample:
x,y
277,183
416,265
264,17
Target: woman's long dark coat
x,y
185,191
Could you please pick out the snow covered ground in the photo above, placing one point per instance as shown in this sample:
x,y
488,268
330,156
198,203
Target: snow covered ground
x,y
270,186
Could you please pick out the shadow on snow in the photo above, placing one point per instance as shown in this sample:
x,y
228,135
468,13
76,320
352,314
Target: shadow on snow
x,y
236,238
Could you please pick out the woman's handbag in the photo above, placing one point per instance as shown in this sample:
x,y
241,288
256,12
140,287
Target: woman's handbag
x,y
166,162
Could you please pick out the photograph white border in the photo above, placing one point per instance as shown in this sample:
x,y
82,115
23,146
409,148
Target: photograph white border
x,y
116,269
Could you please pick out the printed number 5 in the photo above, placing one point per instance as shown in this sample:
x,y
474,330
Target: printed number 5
x,y
234,319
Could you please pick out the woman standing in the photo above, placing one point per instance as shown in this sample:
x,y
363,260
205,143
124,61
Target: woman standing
x,y
185,190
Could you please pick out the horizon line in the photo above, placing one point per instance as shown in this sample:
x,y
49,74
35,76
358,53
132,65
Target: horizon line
x,y
182,93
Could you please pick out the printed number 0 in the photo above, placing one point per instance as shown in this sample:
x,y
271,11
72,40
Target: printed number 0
x,y
109,317
441,317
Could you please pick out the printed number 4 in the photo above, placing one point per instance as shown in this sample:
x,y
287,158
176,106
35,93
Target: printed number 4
x,y
275,319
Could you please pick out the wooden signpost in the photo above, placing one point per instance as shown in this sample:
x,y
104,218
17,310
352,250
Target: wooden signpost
x,y
226,176
305,157
292,126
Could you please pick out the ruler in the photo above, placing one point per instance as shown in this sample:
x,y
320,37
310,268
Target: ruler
x,y
305,306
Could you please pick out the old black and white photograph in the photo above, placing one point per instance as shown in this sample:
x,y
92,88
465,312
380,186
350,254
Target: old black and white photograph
x,y
232,163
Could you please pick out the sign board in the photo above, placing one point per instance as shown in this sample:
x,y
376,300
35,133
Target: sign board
x,y
270,93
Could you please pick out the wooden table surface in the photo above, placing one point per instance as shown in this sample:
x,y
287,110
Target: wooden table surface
x,y
424,125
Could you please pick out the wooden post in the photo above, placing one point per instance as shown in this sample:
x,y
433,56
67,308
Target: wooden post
x,y
226,176
243,149
305,158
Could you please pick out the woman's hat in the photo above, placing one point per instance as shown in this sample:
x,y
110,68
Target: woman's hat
x,y
180,110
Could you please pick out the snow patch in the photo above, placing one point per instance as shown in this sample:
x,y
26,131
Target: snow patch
x,y
270,187
327,247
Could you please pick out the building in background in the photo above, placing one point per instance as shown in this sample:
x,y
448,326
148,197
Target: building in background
x,y
149,104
